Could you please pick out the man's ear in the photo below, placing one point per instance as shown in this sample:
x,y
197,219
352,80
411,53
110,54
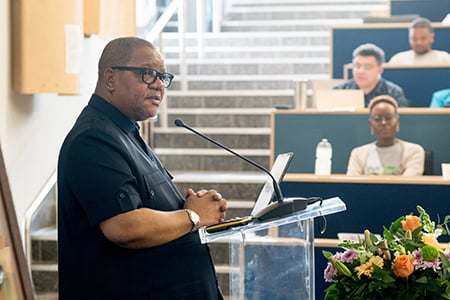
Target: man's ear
x,y
109,79
380,69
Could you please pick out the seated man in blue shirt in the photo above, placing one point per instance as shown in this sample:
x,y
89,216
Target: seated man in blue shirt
x,y
368,62
440,99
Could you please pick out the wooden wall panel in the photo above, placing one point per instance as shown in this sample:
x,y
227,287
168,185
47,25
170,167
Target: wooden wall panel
x,y
117,18
47,40
91,16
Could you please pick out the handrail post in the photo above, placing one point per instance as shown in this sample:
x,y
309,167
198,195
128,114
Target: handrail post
x,y
300,94
182,45
200,27
217,15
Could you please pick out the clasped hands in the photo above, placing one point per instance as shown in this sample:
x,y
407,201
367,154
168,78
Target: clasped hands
x,y
209,205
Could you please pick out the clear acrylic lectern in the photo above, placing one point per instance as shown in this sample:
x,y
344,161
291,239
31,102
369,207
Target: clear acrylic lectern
x,y
274,259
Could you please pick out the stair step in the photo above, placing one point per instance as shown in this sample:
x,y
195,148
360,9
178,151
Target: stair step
x,y
229,98
207,159
45,234
285,25
249,52
252,67
305,12
215,130
230,93
220,177
252,39
210,152
45,267
250,82
235,138
252,3
222,111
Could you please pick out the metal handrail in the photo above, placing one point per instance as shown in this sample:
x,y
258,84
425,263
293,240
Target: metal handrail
x,y
174,6
163,20
31,211
156,31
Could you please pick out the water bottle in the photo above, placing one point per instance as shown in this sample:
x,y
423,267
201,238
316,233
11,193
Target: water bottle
x,y
324,152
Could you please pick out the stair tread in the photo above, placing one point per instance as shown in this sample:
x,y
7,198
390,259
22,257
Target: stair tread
x,y
216,130
228,177
203,152
307,7
49,233
260,77
248,61
223,110
227,93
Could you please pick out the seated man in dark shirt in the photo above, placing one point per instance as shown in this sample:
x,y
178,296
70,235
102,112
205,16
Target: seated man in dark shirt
x,y
368,62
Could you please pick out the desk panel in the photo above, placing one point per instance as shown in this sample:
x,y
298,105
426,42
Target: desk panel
x,y
300,131
371,204
418,82
391,37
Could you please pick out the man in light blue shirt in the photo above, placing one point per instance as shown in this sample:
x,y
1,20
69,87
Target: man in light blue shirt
x,y
440,99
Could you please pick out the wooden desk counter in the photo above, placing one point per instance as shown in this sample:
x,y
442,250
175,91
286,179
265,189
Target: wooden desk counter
x,y
424,180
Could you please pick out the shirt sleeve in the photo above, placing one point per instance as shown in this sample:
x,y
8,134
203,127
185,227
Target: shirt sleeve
x,y
101,177
356,162
413,160
399,95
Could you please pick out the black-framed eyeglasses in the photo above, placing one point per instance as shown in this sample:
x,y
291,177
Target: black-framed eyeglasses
x,y
149,75
387,118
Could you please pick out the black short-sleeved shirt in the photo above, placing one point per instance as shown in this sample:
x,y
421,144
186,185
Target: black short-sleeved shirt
x,y
383,87
104,171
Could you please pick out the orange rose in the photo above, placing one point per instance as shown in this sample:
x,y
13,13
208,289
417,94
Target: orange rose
x,y
411,223
403,266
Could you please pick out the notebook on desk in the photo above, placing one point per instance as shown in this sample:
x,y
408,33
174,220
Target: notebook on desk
x,y
339,99
265,197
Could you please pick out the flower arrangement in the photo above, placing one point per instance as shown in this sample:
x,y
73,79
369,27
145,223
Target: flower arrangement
x,y
407,263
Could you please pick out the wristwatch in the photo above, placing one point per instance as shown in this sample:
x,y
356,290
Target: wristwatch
x,y
195,219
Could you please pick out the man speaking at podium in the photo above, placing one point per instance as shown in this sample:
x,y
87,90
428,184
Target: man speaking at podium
x,y
124,230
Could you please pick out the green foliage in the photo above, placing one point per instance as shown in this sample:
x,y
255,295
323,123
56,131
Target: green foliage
x,y
369,269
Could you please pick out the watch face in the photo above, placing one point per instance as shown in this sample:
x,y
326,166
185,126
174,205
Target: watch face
x,y
195,219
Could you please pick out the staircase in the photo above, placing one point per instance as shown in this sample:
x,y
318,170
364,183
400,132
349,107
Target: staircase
x,y
246,70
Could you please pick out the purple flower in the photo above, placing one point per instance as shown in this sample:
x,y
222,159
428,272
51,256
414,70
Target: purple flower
x,y
348,256
421,264
329,272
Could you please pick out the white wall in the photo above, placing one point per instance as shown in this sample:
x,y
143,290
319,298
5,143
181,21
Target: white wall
x,y
32,127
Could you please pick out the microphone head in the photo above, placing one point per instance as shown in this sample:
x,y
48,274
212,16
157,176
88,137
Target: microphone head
x,y
179,123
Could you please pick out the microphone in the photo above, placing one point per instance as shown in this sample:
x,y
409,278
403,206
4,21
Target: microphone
x,y
276,186
282,206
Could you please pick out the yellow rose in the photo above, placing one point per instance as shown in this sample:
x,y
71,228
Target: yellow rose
x,y
411,223
431,241
403,266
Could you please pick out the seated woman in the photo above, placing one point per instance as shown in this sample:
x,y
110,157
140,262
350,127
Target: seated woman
x,y
388,155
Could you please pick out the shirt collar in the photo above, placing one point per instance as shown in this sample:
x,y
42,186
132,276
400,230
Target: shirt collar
x,y
112,113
